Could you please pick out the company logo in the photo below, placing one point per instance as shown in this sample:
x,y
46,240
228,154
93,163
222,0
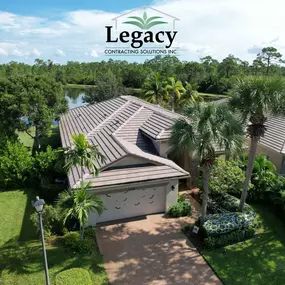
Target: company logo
x,y
145,23
143,31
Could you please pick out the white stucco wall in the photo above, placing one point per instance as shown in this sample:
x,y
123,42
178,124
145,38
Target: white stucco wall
x,y
167,195
171,194
162,147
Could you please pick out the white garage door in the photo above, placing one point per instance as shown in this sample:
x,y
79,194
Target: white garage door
x,y
131,203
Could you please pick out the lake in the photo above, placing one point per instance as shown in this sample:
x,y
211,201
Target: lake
x,y
74,97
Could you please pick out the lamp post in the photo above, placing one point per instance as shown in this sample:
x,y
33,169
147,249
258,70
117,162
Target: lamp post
x,y
39,204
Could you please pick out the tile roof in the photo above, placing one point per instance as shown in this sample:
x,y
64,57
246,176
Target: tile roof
x,y
121,127
274,137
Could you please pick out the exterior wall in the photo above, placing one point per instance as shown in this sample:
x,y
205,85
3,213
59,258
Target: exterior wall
x,y
168,192
275,157
162,147
171,193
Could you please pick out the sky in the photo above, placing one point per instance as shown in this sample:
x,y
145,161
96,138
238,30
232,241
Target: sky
x,y
75,30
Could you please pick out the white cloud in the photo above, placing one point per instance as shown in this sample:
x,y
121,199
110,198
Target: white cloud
x,y
10,21
94,53
59,52
17,52
3,52
36,52
218,28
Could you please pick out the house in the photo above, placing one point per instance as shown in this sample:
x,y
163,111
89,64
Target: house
x,y
273,142
137,177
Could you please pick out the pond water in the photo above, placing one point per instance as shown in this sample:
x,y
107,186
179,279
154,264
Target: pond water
x,y
74,97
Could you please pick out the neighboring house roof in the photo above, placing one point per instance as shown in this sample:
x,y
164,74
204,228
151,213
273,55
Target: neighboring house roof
x,y
122,127
274,137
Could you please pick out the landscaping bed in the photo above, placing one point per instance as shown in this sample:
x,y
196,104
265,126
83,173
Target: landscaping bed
x,y
259,260
21,260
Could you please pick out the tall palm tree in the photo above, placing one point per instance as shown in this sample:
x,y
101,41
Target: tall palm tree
x,y
175,89
191,95
153,89
256,98
78,203
201,132
82,154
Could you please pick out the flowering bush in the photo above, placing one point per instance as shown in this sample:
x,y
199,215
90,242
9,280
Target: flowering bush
x,y
229,238
218,224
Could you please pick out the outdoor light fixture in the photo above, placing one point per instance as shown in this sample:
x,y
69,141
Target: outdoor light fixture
x,y
172,188
39,205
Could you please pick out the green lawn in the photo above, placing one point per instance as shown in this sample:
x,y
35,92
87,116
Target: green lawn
x,y
258,261
21,259
53,139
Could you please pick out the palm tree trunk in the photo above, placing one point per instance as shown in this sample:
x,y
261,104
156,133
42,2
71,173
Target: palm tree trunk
x,y
187,159
81,232
252,152
81,171
206,179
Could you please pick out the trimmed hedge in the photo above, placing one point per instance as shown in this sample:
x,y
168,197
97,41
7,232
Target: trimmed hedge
x,y
229,238
231,203
180,209
73,276
218,224
72,241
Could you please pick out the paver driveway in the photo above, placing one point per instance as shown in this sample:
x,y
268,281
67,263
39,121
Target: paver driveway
x,y
152,251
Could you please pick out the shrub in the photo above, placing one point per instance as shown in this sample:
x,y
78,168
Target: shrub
x,y
72,241
180,199
15,163
231,203
73,276
180,209
51,222
214,207
45,162
226,177
218,224
229,238
90,232
263,177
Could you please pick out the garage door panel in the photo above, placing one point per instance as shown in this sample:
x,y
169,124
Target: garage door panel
x,y
131,203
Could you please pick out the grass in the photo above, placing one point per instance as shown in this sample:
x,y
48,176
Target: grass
x,y
258,261
21,260
53,139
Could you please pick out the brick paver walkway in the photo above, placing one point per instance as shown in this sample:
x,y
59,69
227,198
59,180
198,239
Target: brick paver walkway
x,y
152,251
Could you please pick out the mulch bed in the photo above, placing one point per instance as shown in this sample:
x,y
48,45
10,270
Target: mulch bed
x,y
195,239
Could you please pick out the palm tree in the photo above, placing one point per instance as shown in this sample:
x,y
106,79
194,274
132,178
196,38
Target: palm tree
x,y
201,131
255,98
153,90
175,89
191,95
78,203
81,153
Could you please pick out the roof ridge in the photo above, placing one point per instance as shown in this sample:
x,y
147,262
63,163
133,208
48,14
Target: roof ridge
x,y
155,158
98,127
155,108
128,120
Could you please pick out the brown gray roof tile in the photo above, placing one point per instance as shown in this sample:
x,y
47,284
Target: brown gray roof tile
x,y
118,127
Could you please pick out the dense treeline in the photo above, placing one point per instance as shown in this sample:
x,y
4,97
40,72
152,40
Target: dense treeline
x,y
209,74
